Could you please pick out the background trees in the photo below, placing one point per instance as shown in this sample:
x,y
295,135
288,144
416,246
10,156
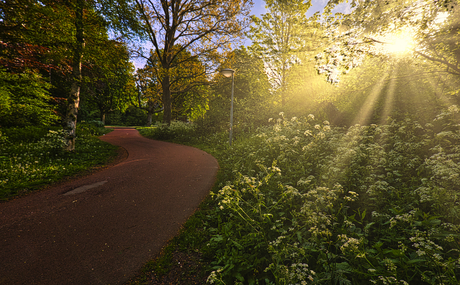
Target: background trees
x,y
400,48
190,39
187,86
280,38
253,102
204,28
49,38
107,79
423,29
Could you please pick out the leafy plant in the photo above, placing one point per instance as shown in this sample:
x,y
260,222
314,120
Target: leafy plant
x,y
308,203
177,131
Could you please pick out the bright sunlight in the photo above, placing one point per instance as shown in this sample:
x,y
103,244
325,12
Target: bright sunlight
x,y
401,43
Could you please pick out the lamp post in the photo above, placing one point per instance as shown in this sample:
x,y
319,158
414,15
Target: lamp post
x,y
227,72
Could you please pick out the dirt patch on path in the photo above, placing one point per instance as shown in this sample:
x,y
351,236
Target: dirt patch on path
x,y
104,234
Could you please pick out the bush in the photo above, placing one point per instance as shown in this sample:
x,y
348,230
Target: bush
x,y
135,117
114,119
28,134
91,128
96,123
177,131
25,100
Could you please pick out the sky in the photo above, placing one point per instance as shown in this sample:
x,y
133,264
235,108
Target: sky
x,y
259,8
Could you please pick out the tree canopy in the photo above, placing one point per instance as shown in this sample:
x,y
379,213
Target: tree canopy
x,y
188,82
427,30
280,37
56,40
206,29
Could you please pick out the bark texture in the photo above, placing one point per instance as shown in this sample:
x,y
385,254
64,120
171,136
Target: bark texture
x,y
73,101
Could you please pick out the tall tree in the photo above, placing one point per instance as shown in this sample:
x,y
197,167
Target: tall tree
x,y
51,35
148,93
204,28
252,99
107,78
187,81
280,36
73,101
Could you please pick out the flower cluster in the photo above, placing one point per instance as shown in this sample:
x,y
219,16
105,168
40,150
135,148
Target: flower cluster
x,y
28,165
370,204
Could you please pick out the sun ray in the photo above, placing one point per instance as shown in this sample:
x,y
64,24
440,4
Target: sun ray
x,y
363,116
389,100
396,43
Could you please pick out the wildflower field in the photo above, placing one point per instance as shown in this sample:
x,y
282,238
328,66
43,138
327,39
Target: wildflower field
x,y
303,202
33,157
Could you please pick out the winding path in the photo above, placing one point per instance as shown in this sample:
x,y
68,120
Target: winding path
x,y
101,229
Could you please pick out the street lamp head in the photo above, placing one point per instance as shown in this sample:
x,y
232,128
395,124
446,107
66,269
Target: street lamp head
x,y
227,72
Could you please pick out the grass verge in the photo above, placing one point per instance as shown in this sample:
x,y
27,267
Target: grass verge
x,y
32,158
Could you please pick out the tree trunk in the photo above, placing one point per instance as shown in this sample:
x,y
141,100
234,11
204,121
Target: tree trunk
x,y
167,102
74,96
283,83
103,118
149,118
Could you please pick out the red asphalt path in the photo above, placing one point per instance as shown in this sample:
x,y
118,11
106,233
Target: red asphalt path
x,y
105,234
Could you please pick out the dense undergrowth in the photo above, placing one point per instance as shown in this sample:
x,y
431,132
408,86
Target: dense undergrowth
x,y
32,157
303,202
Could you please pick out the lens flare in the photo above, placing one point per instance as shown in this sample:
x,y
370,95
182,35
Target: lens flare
x,y
399,44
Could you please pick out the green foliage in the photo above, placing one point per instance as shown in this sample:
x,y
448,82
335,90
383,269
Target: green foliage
x,y
34,157
24,100
280,39
27,134
252,99
46,37
91,128
132,116
177,131
306,202
107,80
303,202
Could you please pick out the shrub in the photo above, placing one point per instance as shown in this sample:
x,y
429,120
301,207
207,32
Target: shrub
x,y
27,134
25,100
177,131
91,128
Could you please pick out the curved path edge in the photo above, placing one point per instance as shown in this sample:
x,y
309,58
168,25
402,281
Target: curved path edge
x,y
113,223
